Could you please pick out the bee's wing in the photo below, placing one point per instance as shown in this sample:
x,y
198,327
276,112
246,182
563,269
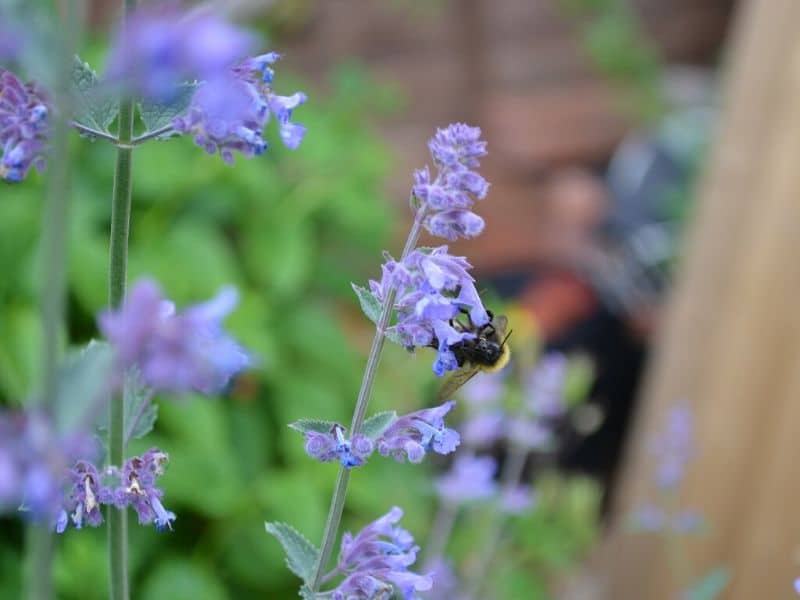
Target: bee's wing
x,y
455,380
500,324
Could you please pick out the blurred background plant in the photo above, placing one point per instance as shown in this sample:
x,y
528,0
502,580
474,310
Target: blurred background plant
x,y
292,230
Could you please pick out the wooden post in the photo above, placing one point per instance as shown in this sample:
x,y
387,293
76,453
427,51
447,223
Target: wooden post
x,y
730,341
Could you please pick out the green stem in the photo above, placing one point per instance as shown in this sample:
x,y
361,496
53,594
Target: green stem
x,y
440,533
340,490
117,276
512,475
39,537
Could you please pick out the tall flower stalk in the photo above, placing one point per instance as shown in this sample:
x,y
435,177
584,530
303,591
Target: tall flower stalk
x,y
117,278
39,585
425,292
360,411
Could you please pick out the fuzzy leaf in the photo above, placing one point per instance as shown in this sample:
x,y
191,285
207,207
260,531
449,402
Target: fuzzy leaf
x,y
301,555
156,115
140,411
710,585
94,106
378,423
371,307
82,383
306,425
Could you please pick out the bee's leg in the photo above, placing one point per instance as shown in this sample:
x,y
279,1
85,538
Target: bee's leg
x,y
464,311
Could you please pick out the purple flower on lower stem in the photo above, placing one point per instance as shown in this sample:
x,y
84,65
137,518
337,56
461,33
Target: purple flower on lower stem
x,y
674,447
797,585
34,461
470,478
531,433
517,500
545,386
375,562
484,429
410,436
332,445
138,490
229,112
24,127
86,496
175,352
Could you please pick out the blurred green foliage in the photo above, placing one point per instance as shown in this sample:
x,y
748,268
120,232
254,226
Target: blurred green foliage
x,y
619,49
291,230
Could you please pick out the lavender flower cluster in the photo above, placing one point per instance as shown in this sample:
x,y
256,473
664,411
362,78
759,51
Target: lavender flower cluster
x,y
376,561
34,459
532,426
229,113
133,485
433,288
408,437
24,127
450,196
673,449
174,352
54,477
161,55
161,49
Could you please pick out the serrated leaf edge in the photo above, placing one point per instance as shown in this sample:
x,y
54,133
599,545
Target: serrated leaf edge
x,y
270,528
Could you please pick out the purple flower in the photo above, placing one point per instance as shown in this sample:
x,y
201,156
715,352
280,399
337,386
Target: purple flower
x,y
517,500
24,127
674,447
332,445
160,48
34,461
410,436
545,386
648,518
137,489
445,581
797,585
434,290
86,496
484,390
229,112
484,428
470,478
175,352
530,433
375,562
447,199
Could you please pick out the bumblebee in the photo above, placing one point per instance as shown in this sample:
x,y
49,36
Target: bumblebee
x,y
487,352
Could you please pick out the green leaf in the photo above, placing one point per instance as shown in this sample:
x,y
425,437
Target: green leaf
x,y
156,115
94,105
301,555
371,307
710,585
306,425
378,423
82,386
140,411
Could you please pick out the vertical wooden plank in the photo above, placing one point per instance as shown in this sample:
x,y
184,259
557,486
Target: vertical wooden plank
x,y
731,342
